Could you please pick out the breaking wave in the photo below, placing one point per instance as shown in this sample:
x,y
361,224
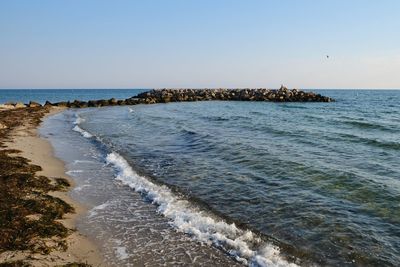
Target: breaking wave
x,y
78,129
83,132
243,245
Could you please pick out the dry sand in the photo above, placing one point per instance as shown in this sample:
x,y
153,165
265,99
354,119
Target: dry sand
x,y
40,152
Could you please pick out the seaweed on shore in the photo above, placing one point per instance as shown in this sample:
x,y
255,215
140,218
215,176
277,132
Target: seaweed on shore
x,y
28,214
21,263
18,263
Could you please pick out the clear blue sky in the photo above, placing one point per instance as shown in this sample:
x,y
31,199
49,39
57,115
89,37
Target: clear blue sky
x,y
199,43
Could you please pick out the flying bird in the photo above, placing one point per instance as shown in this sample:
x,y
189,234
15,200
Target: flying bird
x,y
327,56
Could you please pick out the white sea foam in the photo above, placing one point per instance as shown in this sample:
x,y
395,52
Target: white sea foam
x,y
78,119
78,129
80,188
130,110
83,161
93,211
245,246
73,171
81,131
121,253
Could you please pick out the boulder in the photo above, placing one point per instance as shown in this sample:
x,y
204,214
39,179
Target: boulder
x,y
62,104
121,102
102,103
92,103
48,104
20,105
132,101
6,106
33,104
112,102
78,104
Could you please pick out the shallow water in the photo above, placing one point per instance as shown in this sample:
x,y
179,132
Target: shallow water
x,y
125,225
246,182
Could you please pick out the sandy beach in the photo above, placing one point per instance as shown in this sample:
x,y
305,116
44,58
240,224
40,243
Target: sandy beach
x,y
78,248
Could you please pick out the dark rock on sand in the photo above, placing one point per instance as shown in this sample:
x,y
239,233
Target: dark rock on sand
x,y
33,104
62,104
48,104
78,104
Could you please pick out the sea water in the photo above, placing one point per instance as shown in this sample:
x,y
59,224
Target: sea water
x,y
239,183
59,95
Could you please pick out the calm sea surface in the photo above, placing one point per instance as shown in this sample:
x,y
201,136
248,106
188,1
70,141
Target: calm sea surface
x,y
229,183
58,95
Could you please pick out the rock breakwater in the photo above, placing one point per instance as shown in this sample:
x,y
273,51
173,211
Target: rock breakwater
x,y
184,95
181,95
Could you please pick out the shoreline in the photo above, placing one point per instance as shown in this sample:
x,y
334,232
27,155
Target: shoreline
x,y
39,151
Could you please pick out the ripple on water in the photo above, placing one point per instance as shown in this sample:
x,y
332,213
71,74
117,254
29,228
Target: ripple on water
x,y
321,181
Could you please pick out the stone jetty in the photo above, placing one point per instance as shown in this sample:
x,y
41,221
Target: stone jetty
x,y
182,95
185,95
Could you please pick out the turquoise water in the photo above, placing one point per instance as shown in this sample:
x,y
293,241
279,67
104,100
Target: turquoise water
x,y
315,183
